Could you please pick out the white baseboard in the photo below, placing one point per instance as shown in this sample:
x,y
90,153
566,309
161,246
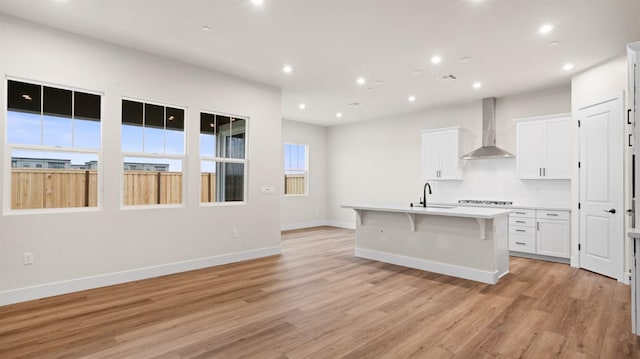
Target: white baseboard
x,y
347,225
75,285
292,226
430,266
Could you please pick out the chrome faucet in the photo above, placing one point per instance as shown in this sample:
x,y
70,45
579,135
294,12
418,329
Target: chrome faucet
x,y
424,194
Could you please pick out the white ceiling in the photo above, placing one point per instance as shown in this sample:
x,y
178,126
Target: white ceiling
x,y
330,43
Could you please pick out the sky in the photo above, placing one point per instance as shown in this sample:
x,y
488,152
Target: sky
x,y
34,129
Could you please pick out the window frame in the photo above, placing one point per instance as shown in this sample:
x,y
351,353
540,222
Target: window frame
x,y
10,147
306,170
220,144
183,157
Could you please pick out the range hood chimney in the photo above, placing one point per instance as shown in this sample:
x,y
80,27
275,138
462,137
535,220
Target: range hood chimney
x,y
488,149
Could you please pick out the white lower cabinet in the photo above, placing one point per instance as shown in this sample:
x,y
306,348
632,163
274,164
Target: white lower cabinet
x,y
540,232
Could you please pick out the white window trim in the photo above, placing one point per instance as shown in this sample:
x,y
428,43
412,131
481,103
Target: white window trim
x,y
305,170
244,161
6,179
182,157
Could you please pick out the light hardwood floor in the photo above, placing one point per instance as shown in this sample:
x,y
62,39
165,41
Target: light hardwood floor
x,y
318,301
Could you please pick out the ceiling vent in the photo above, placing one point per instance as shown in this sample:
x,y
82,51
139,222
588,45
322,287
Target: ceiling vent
x,y
446,78
354,104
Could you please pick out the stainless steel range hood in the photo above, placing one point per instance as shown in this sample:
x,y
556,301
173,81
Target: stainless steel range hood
x,y
488,149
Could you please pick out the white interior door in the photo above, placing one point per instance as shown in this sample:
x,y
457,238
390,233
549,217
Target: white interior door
x,y
602,188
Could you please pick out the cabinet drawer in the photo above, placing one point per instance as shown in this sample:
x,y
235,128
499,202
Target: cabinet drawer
x,y
522,243
530,213
564,215
522,221
522,230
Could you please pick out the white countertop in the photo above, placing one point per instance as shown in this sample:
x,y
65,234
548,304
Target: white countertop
x,y
512,206
458,211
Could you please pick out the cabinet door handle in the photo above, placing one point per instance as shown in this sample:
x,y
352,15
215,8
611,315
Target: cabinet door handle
x,y
521,222
540,171
520,213
520,230
544,171
552,214
521,243
538,226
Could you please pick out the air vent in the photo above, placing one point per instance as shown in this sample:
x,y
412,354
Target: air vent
x,y
447,78
354,104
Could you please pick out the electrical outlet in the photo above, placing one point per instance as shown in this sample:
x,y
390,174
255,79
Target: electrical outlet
x,y
268,190
27,258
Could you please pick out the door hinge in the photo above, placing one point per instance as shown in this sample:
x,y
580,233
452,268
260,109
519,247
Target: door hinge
x,y
578,164
579,246
578,123
578,205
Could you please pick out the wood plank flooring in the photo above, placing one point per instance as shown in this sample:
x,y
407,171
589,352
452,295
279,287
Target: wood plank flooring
x,y
318,301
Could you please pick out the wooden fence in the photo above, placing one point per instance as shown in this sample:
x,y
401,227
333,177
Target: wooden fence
x,y
59,188
48,188
294,184
145,187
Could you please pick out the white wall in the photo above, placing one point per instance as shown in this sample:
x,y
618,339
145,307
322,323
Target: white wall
x,y
83,249
597,84
309,210
379,160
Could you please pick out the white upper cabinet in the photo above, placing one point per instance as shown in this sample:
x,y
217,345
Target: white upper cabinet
x,y
543,148
441,150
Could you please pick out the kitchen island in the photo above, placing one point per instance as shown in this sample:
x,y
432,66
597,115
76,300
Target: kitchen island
x,y
465,242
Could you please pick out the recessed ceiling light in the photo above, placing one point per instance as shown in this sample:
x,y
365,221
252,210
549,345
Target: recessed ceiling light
x,y
302,106
206,28
287,69
339,114
436,59
257,2
412,98
545,29
477,85
361,80
568,66
554,43
464,59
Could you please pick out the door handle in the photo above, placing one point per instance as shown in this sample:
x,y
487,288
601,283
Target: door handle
x,y
612,210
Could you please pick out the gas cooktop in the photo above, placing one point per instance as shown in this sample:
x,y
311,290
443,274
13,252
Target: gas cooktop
x,y
485,202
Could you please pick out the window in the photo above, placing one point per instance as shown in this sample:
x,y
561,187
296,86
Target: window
x,y
222,158
153,144
51,133
296,170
